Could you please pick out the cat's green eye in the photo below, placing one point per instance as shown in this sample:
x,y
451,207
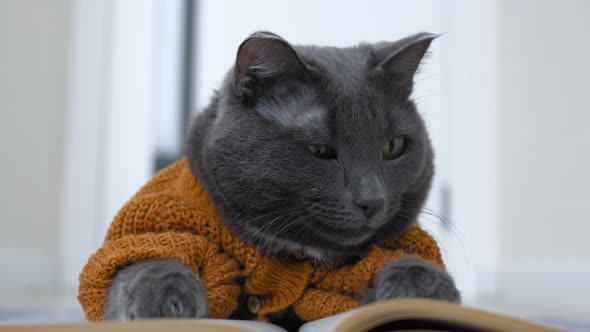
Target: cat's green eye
x,y
322,151
394,148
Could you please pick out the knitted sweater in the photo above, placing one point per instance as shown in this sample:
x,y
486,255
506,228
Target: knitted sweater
x,y
172,217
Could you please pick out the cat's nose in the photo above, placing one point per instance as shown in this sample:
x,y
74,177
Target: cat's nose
x,y
368,192
370,205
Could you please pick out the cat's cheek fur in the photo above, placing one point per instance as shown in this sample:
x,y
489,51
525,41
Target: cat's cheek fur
x,y
156,289
414,277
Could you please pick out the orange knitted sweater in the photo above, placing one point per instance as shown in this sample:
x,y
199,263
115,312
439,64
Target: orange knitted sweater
x,y
172,217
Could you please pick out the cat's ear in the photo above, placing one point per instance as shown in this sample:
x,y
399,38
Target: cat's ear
x,y
402,58
261,59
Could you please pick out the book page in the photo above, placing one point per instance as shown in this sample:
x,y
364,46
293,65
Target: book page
x,y
326,324
424,314
200,325
257,326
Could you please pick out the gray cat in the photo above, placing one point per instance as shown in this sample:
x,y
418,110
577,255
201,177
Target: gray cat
x,y
311,149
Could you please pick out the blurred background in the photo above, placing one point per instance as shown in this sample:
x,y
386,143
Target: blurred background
x,y
95,97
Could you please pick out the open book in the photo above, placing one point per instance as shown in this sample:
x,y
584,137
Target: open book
x,y
395,315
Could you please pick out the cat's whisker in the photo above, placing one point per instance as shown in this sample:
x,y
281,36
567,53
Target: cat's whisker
x,y
249,221
285,225
422,79
290,213
420,98
261,204
446,222
266,243
292,223
453,230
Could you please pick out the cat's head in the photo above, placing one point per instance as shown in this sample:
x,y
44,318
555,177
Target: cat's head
x,y
316,148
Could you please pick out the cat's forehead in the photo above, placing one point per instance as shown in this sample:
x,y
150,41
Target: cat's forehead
x,y
345,118
344,87
343,106
343,69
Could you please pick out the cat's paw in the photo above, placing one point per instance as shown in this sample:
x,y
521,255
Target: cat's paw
x,y
413,277
156,289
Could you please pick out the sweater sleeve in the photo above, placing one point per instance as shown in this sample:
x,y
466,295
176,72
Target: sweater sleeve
x,y
153,212
159,225
216,270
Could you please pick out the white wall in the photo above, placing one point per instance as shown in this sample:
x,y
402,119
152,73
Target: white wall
x,y
80,83
470,81
124,77
33,59
545,114
543,143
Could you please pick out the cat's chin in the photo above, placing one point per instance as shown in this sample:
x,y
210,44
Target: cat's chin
x,y
351,236
348,244
318,254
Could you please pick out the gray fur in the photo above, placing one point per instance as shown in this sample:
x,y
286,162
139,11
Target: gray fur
x,y
251,149
153,289
413,277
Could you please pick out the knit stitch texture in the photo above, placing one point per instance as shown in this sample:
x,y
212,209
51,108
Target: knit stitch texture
x,y
172,217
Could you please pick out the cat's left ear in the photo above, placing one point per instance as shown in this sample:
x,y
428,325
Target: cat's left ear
x,y
402,58
263,59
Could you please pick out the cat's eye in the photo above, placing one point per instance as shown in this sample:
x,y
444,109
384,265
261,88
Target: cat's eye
x,y
394,148
322,151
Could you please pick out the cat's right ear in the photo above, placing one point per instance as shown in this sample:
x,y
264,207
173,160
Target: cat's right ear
x,y
264,58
